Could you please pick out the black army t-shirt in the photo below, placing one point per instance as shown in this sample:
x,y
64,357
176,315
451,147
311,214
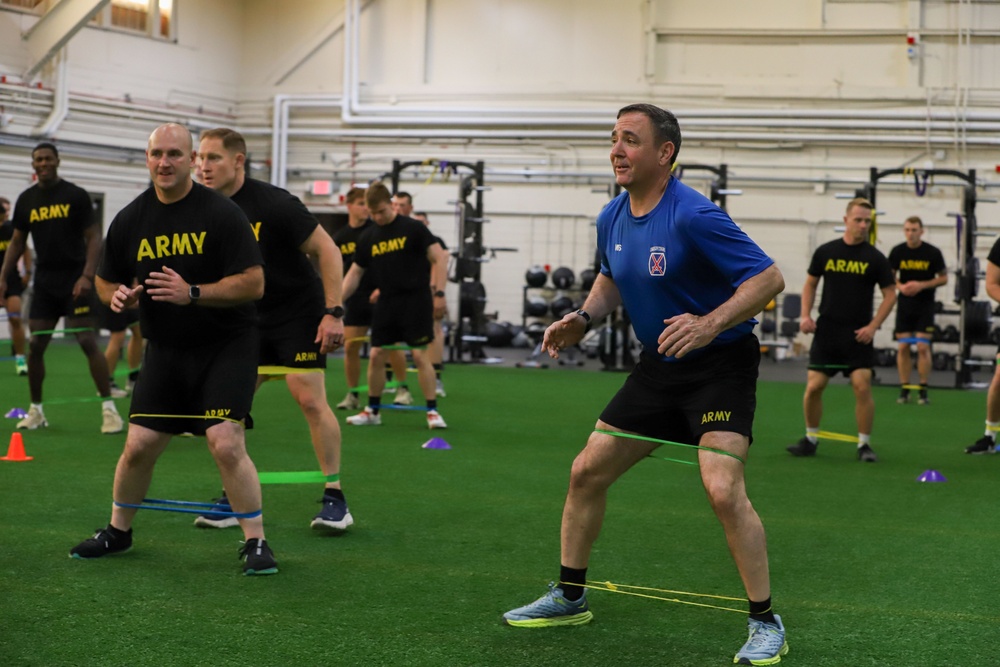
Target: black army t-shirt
x,y
924,262
281,223
850,274
346,239
203,237
56,218
396,255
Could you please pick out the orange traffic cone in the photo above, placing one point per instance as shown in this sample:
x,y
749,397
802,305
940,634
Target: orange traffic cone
x,y
15,452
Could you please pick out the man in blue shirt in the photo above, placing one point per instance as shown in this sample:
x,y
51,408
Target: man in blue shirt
x,y
691,281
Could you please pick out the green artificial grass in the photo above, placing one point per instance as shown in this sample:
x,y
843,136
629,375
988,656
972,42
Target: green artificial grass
x,y
869,566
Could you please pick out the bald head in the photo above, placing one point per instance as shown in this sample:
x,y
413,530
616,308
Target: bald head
x,y
173,132
170,158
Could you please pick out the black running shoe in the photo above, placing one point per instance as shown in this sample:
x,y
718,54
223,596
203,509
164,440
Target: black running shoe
x,y
803,448
334,515
984,445
867,454
103,542
258,558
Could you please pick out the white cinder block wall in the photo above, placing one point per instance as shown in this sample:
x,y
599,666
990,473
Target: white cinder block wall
x,y
798,97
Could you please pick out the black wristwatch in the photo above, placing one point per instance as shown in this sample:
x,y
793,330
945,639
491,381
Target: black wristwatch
x,y
439,293
194,292
336,311
585,315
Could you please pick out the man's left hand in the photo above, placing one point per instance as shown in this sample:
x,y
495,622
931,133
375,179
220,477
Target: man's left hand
x,y
168,286
683,334
330,334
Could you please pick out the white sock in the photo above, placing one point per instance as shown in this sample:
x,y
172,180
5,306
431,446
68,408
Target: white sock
x,y
38,406
812,435
864,439
109,405
991,428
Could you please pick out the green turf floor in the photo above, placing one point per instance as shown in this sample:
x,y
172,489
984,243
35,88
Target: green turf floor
x,y
869,566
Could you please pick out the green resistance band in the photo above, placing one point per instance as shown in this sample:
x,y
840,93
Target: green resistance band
x,y
308,477
714,450
49,332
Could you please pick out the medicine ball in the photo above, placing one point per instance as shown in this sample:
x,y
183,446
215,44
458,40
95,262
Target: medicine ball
x,y
535,276
535,306
587,278
561,305
940,361
499,334
563,277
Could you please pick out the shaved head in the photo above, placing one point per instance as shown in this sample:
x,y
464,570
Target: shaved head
x,y
174,131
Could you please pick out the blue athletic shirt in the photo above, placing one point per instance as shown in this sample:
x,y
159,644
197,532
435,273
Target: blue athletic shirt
x,y
685,256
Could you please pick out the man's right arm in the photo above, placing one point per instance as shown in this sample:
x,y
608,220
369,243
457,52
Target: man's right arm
x,y
604,297
806,322
351,281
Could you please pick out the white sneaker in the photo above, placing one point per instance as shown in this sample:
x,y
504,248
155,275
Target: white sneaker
x,y
365,418
439,390
35,419
350,402
118,392
434,420
403,397
112,421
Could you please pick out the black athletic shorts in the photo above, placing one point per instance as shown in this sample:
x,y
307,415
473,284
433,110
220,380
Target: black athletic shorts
x,y
289,346
15,284
115,322
358,310
407,318
681,401
190,389
53,298
835,350
914,316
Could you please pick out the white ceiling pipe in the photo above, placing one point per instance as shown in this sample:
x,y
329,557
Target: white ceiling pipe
x,y
601,136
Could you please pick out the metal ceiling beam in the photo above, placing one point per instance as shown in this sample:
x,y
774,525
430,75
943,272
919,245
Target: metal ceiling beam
x,y
55,28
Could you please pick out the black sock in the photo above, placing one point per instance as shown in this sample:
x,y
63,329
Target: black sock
x,y
374,403
354,394
571,582
432,405
115,533
333,493
133,375
403,385
761,611
437,370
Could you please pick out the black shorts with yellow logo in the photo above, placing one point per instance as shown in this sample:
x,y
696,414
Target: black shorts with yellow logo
x,y
187,390
681,401
53,298
290,346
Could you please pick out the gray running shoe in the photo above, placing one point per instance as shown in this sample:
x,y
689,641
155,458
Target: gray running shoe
x,y
552,609
765,645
